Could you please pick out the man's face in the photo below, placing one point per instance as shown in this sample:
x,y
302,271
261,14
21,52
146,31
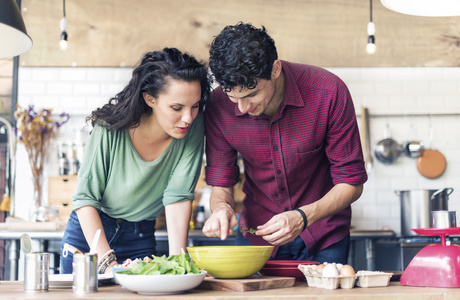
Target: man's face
x,y
255,101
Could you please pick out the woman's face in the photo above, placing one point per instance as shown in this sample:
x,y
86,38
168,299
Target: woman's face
x,y
176,107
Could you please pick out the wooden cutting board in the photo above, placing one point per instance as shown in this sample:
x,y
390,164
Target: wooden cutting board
x,y
253,283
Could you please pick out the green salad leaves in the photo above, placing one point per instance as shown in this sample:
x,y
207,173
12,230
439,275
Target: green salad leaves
x,y
161,265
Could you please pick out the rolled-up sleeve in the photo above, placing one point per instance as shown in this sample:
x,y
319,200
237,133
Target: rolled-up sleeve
x,y
221,158
91,180
343,148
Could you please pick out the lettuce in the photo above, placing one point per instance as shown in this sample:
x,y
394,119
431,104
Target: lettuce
x,y
161,265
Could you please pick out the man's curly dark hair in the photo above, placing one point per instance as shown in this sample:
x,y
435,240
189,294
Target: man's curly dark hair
x,y
241,55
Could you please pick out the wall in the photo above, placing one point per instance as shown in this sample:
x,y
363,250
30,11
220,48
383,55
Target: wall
x,y
398,93
333,33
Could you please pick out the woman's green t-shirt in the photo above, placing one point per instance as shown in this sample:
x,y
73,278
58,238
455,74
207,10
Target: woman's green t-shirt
x,y
115,179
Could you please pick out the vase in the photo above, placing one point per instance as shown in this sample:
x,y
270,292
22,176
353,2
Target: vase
x,y
37,180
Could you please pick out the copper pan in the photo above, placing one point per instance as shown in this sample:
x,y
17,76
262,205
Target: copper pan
x,y
431,163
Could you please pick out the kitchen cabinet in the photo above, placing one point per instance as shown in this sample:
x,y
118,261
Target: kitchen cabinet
x,y
60,191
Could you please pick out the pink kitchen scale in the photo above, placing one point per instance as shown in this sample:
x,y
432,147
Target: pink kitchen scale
x,y
436,265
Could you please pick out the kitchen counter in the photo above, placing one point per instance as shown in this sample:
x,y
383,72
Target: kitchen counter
x,y
14,290
196,238
44,234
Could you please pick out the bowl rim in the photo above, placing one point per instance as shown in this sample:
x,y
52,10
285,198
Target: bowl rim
x,y
164,275
231,247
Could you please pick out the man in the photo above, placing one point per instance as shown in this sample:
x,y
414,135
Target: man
x,y
295,128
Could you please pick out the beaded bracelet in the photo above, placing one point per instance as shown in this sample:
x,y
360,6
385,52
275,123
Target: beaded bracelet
x,y
106,260
304,217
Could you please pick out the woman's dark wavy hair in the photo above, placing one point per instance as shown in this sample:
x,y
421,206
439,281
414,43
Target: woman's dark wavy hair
x,y
150,76
240,55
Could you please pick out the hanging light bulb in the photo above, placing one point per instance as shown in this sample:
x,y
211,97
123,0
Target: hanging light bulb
x,y
370,47
63,24
63,42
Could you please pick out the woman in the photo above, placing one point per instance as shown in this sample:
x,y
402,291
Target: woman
x,y
144,155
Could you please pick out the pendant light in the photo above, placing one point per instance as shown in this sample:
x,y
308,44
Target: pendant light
x,y
13,34
63,24
370,48
426,8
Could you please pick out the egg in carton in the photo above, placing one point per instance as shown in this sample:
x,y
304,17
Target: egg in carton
x,y
329,276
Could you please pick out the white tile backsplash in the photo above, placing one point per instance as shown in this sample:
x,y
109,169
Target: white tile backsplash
x,y
398,92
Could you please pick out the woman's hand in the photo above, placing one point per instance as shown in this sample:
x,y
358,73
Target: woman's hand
x,y
109,268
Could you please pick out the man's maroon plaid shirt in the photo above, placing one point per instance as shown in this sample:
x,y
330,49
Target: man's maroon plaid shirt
x,y
293,158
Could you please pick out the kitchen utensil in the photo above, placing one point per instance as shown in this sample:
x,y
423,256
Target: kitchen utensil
x,y
285,268
36,272
431,163
230,261
435,265
416,207
160,284
387,150
93,247
413,148
366,136
84,273
443,219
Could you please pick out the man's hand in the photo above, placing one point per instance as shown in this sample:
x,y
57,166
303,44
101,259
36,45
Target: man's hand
x,y
281,228
221,222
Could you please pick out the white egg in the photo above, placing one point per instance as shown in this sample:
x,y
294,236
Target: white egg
x,y
330,270
339,266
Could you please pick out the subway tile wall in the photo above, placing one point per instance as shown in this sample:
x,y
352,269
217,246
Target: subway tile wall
x,y
418,104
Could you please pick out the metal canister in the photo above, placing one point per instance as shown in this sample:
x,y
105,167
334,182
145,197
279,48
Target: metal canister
x,y
85,273
444,219
36,272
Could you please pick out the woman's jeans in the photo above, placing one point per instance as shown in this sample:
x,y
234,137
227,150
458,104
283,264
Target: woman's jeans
x,y
128,239
296,250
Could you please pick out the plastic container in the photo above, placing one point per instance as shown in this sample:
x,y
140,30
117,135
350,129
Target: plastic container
x,y
373,278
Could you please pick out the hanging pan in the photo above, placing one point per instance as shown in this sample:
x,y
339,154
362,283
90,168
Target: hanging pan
x,y
431,163
387,150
